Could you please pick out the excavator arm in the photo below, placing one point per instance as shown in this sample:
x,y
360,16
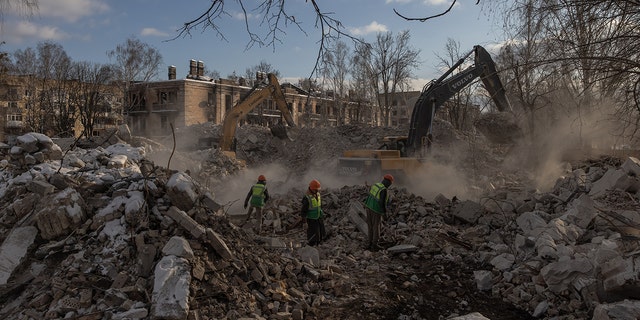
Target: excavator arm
x,y
254,98
402,155
439,91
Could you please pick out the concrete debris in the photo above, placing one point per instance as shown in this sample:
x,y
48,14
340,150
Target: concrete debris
x,y
107,233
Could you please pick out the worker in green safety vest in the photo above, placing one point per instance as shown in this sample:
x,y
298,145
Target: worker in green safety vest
x,y
376,204
312,210
257,197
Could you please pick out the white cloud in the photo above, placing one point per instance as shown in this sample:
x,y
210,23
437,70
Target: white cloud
x,y
71,10
240,16
437,2
153,32
373,27
23,30
418,84
398,1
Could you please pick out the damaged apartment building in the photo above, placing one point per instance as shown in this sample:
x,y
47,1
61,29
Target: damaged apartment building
x,y
197,99
58,108
151,108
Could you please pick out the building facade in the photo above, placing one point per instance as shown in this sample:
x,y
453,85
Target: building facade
x,y
150,109
402,104
197,99
62,108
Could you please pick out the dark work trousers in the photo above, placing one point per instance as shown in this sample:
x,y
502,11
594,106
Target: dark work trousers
x,y
315,231
373,222
258,211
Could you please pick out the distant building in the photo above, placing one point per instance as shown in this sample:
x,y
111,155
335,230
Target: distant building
x,y
28,103
402,104
151,108
197,99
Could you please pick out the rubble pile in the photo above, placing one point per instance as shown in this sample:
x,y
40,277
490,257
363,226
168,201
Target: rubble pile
x,y
568,253
107,233
499,127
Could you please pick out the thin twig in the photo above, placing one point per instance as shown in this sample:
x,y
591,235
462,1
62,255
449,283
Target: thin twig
x,y
173,133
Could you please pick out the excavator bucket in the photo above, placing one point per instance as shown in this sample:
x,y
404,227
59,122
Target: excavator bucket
x,y
280,131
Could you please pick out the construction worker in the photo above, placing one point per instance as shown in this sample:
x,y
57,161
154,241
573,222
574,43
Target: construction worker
x,y
376,203
312,211
258,196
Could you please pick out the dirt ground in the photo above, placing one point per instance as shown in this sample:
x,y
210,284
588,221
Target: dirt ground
x,y
444,288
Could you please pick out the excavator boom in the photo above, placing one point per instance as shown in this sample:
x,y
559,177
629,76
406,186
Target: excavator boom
x,y
253,99
405,155
438,92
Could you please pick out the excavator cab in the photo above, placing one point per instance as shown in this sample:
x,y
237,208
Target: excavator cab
x,y
395,143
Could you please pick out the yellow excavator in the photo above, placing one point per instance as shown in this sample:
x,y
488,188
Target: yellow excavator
x,y
403,155
258,94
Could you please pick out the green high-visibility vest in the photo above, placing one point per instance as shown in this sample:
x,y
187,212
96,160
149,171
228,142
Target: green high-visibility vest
x,y
373,201
314,211
257,195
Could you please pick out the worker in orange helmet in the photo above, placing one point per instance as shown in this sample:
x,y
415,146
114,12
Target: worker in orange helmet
x,y
311,210
376,203
258,196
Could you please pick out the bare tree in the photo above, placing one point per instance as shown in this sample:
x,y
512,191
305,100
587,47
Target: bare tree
x,y
393,61
135,61
594,53
460,105
530,82
212,73
46,71
5,61
251,72
364,85
91,94
423,19
335,69
233,76
271,29
24,64
310,85
23,7
54,69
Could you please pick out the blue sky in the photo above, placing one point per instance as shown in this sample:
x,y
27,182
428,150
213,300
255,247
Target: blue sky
x,y
87,29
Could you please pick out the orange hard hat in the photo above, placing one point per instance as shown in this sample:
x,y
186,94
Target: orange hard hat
x,y
314,185
262,178
388,177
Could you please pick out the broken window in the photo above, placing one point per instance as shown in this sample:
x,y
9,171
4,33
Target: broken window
x,y
167,97
227,102
14,117
210,100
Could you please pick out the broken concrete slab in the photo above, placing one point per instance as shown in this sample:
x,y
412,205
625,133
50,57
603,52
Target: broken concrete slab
x,y
182,191
170,298
218,244
612,179
401,248
356,211
468,211
471,316
626,309
178,246
63,213
14,249
186,222
631,166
